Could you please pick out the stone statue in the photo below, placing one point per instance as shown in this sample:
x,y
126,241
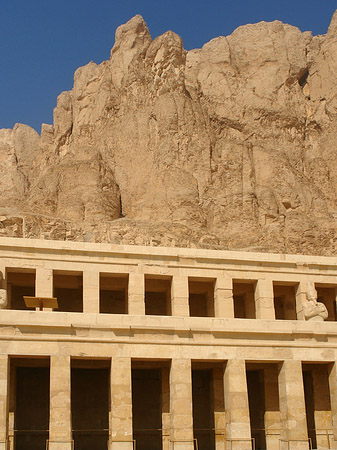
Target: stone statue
x,y
312,309
3,298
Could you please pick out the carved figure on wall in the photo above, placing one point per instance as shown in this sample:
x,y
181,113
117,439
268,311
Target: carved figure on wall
x,y
312,309
3,298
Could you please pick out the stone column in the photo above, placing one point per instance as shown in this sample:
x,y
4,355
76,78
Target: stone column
x,y
180,296
272,408
60,434
333,398
165,405
4,374
219,408
91,292
181,405
301,297
44,283
121,432
11,408
323,422
136,302
294,433
264,299
223,297
238,435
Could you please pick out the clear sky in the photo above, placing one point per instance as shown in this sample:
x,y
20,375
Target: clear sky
x,y
42,42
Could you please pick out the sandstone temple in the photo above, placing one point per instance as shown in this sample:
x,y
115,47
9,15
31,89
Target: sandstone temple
x,y
168,276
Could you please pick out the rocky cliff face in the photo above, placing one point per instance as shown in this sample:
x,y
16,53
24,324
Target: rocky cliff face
x,y
231,146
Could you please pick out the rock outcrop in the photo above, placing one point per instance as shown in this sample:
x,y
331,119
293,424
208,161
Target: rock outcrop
x,y
230,146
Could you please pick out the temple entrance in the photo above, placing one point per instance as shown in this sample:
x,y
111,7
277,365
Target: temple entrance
x,y
244,300
317,405
90,404
201,297
208,405
264,408
149,405
203,408
29,404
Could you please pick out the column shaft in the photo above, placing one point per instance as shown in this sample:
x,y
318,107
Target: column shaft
x,y
301,297
219,409
4,373
44,283
294,433
121,405
179,295
238,435
272,408
223,297
91,292
60,435
181,405
165,404
323,421
333,397
136,301
264,299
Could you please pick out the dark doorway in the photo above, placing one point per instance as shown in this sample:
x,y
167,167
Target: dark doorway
x,y
158,296
255,384
20,284
147,408
113,294
31,408
309,405
68,289
201,297
90,408
203,408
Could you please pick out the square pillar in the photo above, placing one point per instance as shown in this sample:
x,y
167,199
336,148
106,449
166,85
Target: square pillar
x,y
136,300
223,297
121,433
180,296
4,375
272,408
181,405
238,435
219,409
44,283
11,407
60,434
165,404
301,297
91,292
264,299
294,432
323,421
333,398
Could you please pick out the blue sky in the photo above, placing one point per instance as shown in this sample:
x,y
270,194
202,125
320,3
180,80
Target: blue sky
x,y
42,42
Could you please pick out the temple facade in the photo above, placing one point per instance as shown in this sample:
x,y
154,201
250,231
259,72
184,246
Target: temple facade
x,y
108,347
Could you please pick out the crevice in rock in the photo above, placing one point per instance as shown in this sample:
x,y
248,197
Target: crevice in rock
x,y
121,215
303,78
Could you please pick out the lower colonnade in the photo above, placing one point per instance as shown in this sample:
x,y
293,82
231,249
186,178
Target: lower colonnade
x,y
106,347
62,403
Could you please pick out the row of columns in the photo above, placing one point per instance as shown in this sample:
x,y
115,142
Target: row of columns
x,y
178,418
223,294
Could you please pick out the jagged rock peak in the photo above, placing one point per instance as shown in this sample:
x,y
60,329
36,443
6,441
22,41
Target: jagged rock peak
x,y
134,33
333,25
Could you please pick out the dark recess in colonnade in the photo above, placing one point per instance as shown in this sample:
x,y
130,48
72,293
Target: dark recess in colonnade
x,y
90,395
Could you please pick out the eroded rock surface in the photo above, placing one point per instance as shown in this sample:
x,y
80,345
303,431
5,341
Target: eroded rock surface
x,y
233,145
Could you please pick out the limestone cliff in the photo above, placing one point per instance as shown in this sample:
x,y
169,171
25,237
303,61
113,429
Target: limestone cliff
x,y
233,145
